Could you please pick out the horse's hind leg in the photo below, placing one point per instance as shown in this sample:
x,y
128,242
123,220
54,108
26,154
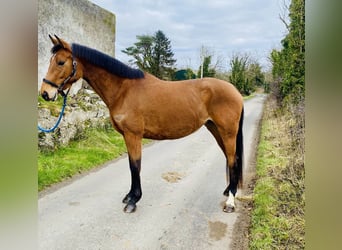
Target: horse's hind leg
x,y
227,144
211,126
232,173
133,144
232,139
228,134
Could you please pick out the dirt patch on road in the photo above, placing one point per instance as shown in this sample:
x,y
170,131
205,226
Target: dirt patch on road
x,y
172,177
217,230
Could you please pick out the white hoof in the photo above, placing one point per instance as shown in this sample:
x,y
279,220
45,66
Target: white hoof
x,y
230,203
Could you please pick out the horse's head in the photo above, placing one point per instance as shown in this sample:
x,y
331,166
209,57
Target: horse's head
x,y
63,70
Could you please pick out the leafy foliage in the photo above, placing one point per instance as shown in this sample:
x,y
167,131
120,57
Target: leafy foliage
x,y
246,76
184,74
208,70
153,54
238,75
289,63
256,75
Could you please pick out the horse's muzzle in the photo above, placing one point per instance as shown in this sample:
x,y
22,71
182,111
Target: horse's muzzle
x,y
46,97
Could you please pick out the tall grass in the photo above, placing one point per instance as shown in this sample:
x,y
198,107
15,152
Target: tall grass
x,y
90,149
279,198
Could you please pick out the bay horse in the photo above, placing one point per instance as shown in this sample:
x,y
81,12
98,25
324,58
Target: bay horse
x,y
143,106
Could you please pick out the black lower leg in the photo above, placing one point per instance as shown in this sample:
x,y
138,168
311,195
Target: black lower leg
x,y
233,181
135,193
231,190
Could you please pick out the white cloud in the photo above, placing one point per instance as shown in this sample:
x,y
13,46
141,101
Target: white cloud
x,y
225,25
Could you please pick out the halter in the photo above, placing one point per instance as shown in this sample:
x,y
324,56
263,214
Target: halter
x,y
60,91
60,87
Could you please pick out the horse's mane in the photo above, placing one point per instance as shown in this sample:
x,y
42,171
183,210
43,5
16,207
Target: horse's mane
x,y
106,62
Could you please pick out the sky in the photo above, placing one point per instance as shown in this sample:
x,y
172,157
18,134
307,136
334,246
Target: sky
x,y
224,27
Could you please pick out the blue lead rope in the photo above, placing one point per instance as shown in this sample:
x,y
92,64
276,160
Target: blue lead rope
x,y
59,118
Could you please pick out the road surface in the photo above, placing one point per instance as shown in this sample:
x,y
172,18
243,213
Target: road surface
x,y
181,208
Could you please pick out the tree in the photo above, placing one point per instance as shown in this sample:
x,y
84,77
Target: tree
x,y
238,75
255,74
288,64
163,56
210,61
184,74
246,74
208,70
153,54
141,52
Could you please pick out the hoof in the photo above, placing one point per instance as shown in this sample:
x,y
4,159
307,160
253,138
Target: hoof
x,y
228,209
130,208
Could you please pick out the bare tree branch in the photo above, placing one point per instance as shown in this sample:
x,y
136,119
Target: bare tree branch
x,y
285,8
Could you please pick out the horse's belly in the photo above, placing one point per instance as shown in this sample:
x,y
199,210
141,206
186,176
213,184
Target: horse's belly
x,y
167,134
173,127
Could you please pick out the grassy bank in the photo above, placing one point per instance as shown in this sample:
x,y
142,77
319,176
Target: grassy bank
x,y
279,200
93,148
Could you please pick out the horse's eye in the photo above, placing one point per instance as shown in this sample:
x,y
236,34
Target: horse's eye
x,y
61,63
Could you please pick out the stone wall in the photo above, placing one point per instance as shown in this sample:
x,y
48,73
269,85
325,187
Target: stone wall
x,y
82,22
84,110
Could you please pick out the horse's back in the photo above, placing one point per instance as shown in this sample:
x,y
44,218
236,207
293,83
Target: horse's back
x,y
208,93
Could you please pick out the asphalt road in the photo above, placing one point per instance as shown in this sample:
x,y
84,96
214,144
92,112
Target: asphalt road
x,y
181,208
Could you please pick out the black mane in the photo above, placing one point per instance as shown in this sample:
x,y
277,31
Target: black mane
x,y
106,62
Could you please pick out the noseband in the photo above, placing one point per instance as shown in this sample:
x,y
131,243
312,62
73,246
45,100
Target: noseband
x,y
60,87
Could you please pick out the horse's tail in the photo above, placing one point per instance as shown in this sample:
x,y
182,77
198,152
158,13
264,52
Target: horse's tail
x,y
239,150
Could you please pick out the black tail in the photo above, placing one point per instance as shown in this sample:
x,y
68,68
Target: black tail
x,y
239,151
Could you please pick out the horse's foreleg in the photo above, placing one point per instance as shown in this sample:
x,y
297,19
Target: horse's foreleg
x,y
133,144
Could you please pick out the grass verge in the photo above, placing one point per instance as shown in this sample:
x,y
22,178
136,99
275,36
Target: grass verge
x,y
278,216
93,148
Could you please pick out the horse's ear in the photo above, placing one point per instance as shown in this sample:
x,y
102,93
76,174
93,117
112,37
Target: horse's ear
x,y
59,41
53,40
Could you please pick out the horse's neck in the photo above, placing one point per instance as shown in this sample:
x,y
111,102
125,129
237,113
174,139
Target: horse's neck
x,y
106,85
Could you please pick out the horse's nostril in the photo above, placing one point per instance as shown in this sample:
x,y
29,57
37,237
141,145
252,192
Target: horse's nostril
x,y
45,95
